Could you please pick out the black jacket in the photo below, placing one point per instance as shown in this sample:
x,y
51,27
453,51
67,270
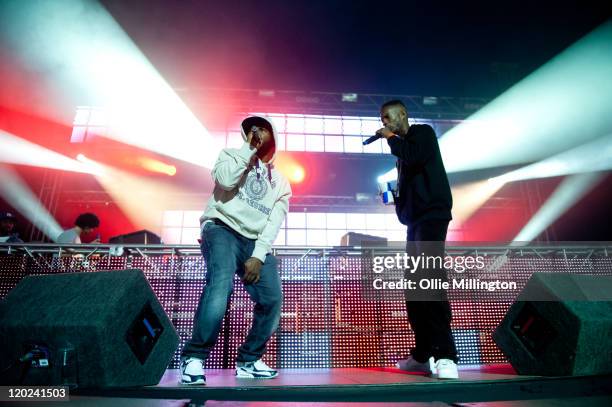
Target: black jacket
x,y
423,189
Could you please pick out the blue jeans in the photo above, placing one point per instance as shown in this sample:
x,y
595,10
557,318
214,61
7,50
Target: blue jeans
x,y
225,252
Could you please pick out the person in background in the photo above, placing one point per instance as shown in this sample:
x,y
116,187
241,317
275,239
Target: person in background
x,y
85,223
8,223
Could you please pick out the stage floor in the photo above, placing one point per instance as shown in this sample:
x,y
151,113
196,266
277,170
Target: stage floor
x,y
478,386
224,378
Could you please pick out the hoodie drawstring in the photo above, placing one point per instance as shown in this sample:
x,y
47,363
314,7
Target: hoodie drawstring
x,y
258,171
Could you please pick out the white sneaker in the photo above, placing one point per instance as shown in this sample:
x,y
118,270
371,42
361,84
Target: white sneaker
x,y
192,371
446,369
411,365
255,370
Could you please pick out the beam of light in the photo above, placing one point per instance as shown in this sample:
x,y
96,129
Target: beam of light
x,y
153,165
85,55
468,198
593,156
562,104
570,191
17,193
143,200
388,176
16,150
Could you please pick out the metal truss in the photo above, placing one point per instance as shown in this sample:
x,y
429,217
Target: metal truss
x,y
333,103
567,251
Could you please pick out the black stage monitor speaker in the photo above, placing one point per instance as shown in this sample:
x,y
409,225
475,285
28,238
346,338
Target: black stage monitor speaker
x,y
98,329
560,325
139,237
360,239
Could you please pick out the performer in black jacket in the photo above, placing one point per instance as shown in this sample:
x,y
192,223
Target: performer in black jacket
x,y
423,203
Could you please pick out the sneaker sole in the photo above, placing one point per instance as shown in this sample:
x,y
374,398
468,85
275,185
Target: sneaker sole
x,y
246,375
397,366
443,377
200,382
431,372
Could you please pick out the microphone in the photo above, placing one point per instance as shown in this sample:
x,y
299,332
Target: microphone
x,y
255,130
372,139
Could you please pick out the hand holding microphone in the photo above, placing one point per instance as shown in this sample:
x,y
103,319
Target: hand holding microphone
x,y
254,139
382,132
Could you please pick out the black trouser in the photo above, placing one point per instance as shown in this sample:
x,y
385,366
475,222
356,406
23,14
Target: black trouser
x,y
430,315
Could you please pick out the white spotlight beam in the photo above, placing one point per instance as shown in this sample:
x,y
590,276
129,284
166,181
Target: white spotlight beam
x,y
17,193
16,150
389,176
563,104
593,156
570,191
82,53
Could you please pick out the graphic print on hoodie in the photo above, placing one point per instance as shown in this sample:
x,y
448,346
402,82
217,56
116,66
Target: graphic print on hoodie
x,y
250,196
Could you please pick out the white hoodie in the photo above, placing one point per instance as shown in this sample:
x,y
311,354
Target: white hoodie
x,y
252,204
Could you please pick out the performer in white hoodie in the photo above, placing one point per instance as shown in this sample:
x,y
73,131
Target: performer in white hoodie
x,y
242,219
